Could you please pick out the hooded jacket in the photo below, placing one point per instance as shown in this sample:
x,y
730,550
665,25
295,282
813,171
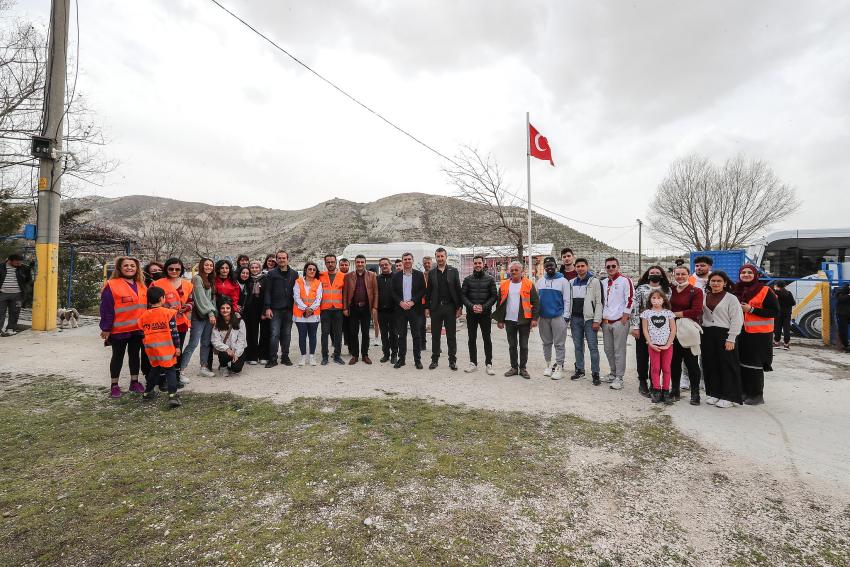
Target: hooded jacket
x,y
555,296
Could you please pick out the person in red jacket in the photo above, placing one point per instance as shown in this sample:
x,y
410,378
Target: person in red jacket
x,y
685,303
225,283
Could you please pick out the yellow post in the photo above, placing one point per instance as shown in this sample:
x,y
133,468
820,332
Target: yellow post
x,y
825,314
46,287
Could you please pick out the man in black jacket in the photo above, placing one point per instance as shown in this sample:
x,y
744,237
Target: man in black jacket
x,y
386,312
278,307
445,304
408,291
479,295
14,281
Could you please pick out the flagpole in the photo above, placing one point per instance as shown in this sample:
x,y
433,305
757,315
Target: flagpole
x,y
528,176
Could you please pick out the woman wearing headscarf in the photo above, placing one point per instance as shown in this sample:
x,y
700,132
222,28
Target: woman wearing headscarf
x,y
755,343
257,328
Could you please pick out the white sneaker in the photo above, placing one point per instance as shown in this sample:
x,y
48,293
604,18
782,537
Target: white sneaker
x,y
263,361
206,372
490,371
184,379
312,360
685,383
13,332
471,368
222,370
723,404
617,384
303,360
711,400
608,379
557,372
549,369
252,362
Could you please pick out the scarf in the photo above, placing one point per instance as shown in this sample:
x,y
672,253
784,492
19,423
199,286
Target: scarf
x,y
256,282
746,291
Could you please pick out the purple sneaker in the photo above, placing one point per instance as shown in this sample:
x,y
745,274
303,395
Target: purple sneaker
x,y
136,387
115,391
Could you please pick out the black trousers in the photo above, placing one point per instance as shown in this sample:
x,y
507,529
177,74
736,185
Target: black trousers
x,y
389,337
251,318
331,328
752,382
414,319
721,368
235,366
444,316
518,335
423,333
473,322
346,333
132,346
642,358
161,375
843,322
684,355
358,319
782,327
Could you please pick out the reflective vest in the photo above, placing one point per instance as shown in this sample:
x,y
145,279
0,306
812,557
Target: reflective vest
x,y
332,291
524,295
754,323
127,304
176,298
159,345
307,297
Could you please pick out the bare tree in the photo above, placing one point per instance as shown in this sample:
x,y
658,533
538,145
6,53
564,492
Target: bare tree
x,y
480,182
702,207
203,237
23,68
161,236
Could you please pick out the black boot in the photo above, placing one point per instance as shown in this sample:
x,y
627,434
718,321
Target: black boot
x,y
754,400
578,375
596,379
643,389
655,397
666,398
674,395
695,401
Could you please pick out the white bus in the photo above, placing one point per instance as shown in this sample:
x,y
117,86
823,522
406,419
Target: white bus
x,y
799,255
394,250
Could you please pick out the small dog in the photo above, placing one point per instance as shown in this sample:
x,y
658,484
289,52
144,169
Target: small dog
x,y
70,317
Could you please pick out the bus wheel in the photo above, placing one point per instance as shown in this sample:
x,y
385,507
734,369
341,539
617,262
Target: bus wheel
x,y
810,324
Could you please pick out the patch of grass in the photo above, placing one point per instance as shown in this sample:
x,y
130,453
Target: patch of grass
x,y
85,480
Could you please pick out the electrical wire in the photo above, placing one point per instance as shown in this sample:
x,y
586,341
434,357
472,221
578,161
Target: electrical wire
x,y
384,119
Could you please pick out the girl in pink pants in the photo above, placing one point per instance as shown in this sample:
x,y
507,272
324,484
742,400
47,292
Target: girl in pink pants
x,y
659,329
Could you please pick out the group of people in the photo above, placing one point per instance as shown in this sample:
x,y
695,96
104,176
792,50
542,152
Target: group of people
x,y
244,314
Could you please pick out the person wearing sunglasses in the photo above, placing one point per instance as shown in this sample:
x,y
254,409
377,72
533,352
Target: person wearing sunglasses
x,y
178,296
619,298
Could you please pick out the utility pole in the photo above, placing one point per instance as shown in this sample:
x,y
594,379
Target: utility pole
x,y
640,247
528,176
49,177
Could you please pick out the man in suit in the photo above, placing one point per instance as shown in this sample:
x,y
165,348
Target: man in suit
x,y
408,291
446,303
360,304
427,264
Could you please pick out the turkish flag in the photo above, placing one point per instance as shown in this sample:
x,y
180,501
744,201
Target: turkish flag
x,y
539,145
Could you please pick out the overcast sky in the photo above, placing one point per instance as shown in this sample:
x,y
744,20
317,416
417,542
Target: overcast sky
x,y
198,108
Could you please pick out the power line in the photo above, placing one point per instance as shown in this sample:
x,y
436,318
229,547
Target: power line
x,y
381,117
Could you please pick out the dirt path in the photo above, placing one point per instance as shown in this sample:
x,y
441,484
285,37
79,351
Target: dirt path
x,y
799,435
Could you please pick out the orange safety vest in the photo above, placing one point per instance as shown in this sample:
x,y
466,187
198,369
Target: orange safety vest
x,y
754,323
175,298
692,279
332,290
524,295
308,298
127,304
159,346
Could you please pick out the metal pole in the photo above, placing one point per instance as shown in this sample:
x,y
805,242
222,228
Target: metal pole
x,y
640,247
49,180
528,175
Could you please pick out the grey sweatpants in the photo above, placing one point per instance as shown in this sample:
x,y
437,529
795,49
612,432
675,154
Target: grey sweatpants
x,y
615,336
553,331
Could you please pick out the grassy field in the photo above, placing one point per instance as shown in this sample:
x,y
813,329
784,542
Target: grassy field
x,y
226,480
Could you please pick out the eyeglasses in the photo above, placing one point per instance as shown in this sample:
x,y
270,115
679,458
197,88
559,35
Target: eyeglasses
x,y
174,268
611,266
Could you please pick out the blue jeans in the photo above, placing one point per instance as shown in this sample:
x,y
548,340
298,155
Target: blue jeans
x,y
200,332
583,330
307,331
281,332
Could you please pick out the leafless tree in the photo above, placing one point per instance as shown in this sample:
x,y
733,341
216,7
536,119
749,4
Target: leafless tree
x,y
480,182
162,236
701,206
203,237
23,68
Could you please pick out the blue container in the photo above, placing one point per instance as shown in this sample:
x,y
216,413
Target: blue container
x,y
730,261
29,232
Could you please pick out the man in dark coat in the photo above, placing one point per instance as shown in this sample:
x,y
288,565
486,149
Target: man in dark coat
x,y
444,301
408,291
478,293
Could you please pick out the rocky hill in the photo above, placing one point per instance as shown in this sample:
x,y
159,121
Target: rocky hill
x,y
328,226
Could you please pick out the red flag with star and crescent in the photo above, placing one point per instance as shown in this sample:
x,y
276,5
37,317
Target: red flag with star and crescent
x,y
539,145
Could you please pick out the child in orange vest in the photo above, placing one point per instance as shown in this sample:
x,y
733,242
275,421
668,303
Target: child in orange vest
x,y
162,345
